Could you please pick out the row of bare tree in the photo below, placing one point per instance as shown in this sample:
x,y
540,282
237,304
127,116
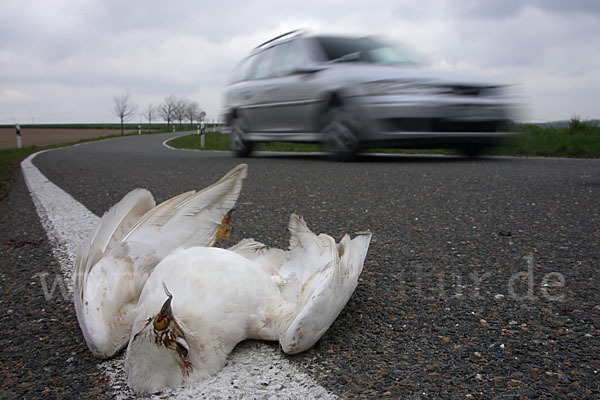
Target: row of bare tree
x,y
172,109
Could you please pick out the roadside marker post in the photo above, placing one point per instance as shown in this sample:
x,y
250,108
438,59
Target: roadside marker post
x,y
202,129
18,127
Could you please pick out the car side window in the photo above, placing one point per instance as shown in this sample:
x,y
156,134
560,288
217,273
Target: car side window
x,y
294,56
262,65
278,59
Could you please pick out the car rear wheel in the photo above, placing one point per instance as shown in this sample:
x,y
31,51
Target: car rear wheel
x,y
340,134
238,142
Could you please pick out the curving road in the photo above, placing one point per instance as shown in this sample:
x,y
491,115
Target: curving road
x,y
481,280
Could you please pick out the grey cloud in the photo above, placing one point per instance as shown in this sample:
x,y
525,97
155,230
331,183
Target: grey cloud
x,y
97,49
494,9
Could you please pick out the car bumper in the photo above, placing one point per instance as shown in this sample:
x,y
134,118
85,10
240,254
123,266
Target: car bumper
x,y
418,122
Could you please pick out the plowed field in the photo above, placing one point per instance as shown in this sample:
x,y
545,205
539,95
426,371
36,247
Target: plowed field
x,y
46,136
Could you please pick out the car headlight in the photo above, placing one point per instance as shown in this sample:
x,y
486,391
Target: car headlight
x,y
401,87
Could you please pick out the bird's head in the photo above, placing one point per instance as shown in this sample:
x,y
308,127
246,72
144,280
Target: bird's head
x,y
158,355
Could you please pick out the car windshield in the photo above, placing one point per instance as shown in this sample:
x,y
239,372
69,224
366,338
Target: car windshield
x,y
366,50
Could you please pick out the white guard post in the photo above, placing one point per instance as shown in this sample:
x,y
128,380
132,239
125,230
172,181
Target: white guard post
x,y
202,128
18,127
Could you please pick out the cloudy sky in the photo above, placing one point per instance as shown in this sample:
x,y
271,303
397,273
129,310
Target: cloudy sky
x,y
66,60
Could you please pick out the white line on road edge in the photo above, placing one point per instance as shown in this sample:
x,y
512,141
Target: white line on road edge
x,y
254,370
66,221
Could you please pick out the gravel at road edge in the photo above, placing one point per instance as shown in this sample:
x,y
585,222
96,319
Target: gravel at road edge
x,y
41,342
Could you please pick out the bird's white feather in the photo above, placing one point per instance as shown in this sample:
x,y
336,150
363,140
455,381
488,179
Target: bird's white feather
x,y
191,222
322,295
131,239
113,226
268,258
221,297
216,297
160,214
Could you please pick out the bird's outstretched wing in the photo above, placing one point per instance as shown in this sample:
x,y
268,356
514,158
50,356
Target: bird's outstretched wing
x,y
113,226
320,277
193,220
316,275
131,239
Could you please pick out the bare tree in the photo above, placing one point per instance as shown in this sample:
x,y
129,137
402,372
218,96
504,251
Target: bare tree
x,y
166,110
123,109
149,113
180,109
192,111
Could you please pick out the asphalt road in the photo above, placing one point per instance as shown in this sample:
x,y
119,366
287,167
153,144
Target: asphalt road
x,y
481,280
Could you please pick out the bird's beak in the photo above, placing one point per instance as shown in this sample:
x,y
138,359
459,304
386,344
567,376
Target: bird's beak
x,y
162,319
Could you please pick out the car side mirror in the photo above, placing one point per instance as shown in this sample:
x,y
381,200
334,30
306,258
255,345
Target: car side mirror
x,y
306,68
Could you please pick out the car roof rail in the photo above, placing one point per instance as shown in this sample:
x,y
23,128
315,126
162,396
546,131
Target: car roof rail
x,y
294,32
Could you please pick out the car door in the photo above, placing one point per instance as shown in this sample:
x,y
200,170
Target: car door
x,y
255,102
237,95
280,99
292,93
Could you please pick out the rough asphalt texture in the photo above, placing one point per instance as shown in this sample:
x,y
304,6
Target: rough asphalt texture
x,y
43,352
481,280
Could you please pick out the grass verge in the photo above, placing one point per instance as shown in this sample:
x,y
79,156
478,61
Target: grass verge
x,y
577,140
218,141
9,162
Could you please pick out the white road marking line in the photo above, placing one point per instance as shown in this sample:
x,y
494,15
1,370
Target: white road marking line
x,y
254,370
66,221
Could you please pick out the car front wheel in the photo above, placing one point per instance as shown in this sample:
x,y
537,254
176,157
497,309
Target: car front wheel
x,y
339,134
238,142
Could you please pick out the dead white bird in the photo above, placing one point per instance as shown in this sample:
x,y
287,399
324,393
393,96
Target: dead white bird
x,y
111,268
200,302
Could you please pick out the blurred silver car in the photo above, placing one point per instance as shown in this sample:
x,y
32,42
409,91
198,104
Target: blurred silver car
x,y
354,93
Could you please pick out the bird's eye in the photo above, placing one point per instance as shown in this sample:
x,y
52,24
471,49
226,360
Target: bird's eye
x,y
161,323
181,349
